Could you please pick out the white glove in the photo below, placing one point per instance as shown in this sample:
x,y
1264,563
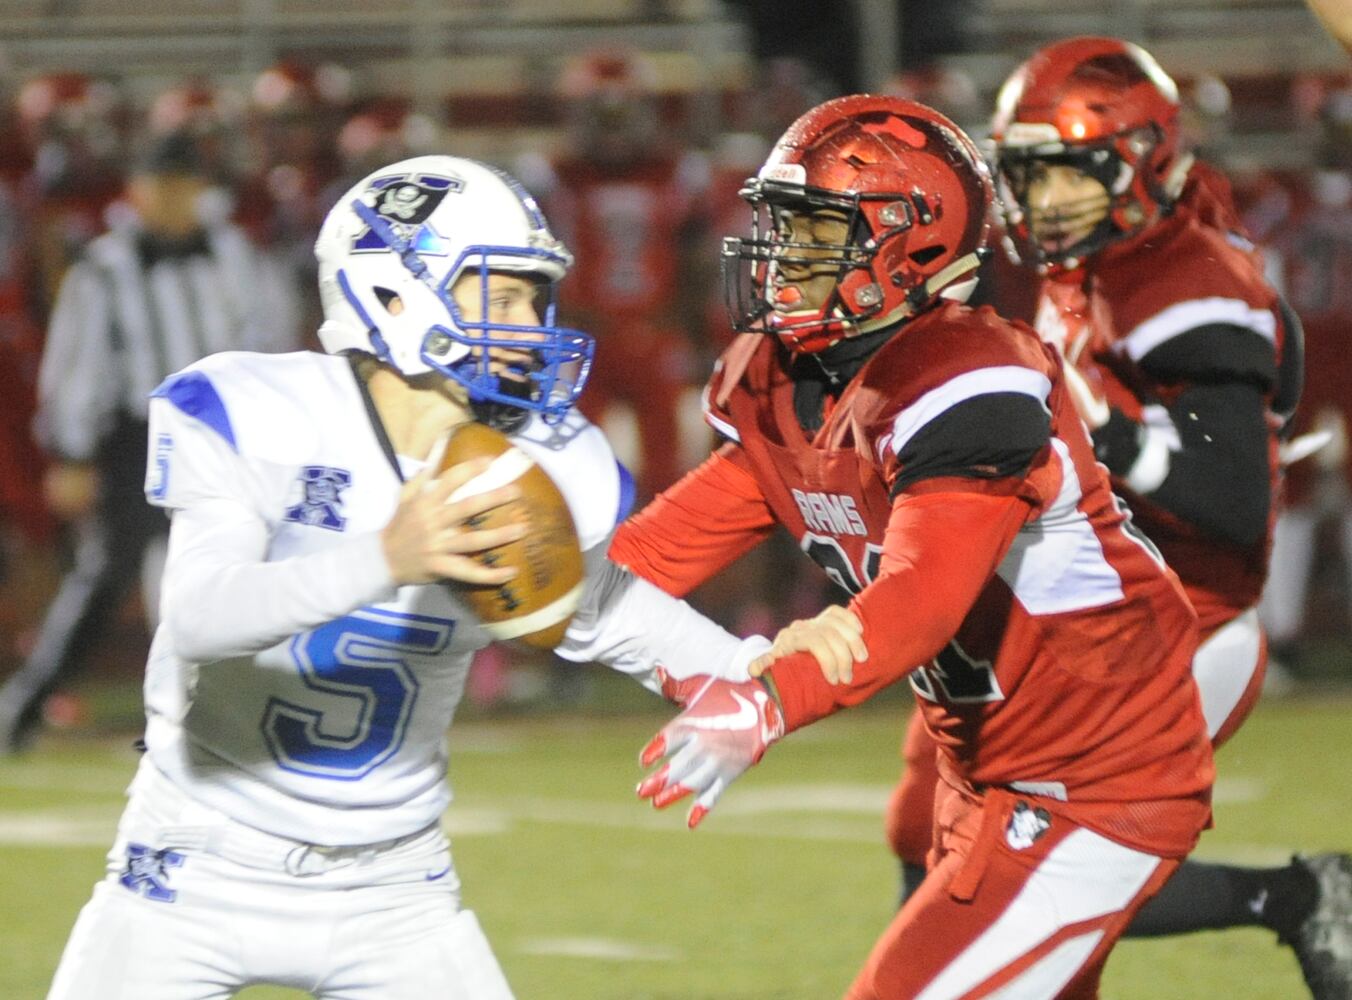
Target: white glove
x,y
725,728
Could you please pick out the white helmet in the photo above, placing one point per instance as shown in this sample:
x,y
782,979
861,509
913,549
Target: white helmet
x,y
411,230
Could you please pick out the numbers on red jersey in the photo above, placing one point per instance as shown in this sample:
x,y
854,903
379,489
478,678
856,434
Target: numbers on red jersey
x,y
831,556
954,676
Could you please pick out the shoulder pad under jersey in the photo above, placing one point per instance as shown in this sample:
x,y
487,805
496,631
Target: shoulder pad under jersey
x,y
575,454
263,405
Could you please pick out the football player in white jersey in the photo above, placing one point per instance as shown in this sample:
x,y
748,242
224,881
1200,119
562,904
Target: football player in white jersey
x,y
283,826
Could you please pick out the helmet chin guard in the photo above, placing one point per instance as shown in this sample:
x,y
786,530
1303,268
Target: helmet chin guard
x,y
410,232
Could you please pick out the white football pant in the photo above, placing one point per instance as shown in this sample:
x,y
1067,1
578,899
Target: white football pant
x,y
1224,668
197,907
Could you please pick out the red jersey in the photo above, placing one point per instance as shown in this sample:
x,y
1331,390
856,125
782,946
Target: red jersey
x,y
1183,304
626,228
1069,674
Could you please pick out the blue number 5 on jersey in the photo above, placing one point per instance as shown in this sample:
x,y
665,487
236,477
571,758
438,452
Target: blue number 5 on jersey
x,y
363,657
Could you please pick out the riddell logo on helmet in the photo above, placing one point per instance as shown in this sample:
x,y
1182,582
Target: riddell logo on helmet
x,y
787,173
1031,133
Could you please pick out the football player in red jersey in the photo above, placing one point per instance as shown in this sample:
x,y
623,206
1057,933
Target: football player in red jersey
x,y
929,457
1185,365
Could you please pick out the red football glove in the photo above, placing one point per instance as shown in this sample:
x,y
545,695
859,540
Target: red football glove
x,y
726,727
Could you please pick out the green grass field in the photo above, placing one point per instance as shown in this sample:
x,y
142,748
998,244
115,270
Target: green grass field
x,y
588,895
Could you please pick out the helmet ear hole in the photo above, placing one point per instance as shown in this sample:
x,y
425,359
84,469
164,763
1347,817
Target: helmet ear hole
x,y
925,255
389,299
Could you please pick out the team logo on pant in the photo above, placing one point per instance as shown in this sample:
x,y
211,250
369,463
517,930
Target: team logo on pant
x,y
147,872
321,487
1026,825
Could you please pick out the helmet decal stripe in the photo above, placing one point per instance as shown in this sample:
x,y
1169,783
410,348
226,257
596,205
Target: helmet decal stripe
x,y
527,200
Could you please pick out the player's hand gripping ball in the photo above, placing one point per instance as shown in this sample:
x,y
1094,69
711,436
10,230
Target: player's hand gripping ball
x,y
536,605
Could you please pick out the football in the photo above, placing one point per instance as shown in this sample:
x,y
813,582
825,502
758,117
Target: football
x,y
535,606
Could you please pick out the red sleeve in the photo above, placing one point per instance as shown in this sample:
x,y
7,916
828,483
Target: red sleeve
x,y
939,552
712,516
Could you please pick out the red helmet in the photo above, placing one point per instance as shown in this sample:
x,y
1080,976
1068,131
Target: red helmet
x,y
1105,107
916,195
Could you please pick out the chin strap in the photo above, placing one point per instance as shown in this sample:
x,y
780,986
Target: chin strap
x,y
1177,176
945,283
948,275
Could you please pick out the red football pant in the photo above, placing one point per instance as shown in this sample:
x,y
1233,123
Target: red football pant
x,y
1022,907
1228,667
910,811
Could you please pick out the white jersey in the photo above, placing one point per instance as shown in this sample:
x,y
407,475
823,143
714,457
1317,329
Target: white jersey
x,y
291,685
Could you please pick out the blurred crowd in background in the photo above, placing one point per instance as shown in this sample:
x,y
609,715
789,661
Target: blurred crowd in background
x,y
642,194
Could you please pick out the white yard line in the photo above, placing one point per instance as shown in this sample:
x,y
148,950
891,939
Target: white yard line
x,y
64,829
816,812
606,949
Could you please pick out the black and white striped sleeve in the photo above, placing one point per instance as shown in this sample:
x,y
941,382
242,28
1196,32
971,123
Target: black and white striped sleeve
x,y
989,423
78,391
1204,456
1210,340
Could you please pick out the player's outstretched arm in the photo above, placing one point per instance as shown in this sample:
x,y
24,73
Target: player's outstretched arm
x,y
726,727
631,626
939,551
711,517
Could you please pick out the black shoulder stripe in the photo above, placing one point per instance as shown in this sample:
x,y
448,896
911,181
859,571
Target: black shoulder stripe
x,y
990,436
1216,352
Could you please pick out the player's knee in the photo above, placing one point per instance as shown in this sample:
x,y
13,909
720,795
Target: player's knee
x,y
909,821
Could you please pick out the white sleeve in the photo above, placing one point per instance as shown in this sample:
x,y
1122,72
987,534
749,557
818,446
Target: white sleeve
x,y
221,599
632,626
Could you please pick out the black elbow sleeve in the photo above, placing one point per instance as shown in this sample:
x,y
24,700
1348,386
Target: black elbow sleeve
x,y
1219,479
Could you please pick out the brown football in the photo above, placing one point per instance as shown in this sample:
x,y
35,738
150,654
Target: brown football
x,y
535,606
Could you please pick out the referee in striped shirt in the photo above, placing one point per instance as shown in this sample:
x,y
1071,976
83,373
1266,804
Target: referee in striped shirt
x,y
170,282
